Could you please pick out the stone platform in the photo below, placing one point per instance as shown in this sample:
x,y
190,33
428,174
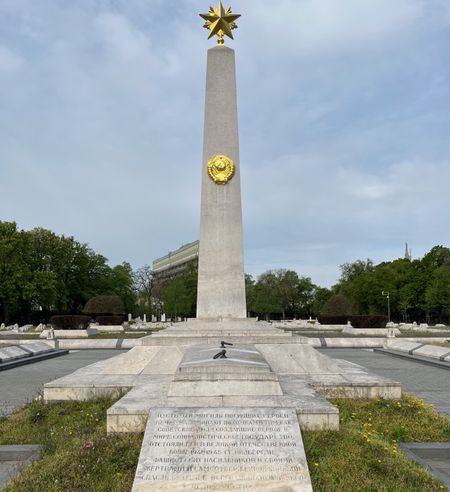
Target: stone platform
x,y
218,416
259,375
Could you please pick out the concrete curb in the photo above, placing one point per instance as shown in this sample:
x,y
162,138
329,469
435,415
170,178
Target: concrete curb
x,y
417,358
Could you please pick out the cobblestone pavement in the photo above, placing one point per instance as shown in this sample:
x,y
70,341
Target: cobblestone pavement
x,y
429,383
20,385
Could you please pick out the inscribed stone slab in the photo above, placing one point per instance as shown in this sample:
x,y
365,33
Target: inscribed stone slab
x,y
218,449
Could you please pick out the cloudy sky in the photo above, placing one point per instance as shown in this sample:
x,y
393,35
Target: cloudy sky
x,y
344,115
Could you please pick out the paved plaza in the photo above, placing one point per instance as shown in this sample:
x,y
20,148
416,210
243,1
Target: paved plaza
x,y
429,383
21,384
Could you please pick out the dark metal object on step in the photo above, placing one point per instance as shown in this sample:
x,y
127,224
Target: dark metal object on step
x,y
221,355
222,344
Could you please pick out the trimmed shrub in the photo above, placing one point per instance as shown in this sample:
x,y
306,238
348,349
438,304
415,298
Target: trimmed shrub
x,y
104,305
70,322
337,305
110,320
357,320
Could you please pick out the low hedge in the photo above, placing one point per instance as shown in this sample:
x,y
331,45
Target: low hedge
x,y
110,320
70,321
357,320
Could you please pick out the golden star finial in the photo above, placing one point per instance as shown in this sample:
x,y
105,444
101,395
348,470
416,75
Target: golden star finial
x,y
220,22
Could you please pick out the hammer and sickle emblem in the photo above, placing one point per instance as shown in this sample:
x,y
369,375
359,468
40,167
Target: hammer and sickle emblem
x,y
221,169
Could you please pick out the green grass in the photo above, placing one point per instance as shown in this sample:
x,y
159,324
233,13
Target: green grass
x,y
77,453
440,344
119,334
363,455
424,334
24,336
404,334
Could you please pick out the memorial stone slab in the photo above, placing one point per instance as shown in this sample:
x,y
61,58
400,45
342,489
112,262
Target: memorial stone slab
x,y
218,449
8,354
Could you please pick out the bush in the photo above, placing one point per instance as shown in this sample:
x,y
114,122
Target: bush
x,y
357,321
104,305
70,322
110,320
337,305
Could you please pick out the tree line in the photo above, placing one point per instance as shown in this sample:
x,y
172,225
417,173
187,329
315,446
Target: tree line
x,y
42,273
419,290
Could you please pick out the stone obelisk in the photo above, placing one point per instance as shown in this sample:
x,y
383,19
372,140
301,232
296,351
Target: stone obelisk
x,y
221,284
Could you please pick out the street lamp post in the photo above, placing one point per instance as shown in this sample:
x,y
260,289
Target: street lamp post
x,y
386,294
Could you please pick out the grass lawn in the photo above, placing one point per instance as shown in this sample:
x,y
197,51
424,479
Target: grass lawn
x,y
119,334
17,336
404,334
361,457
77,454
440,344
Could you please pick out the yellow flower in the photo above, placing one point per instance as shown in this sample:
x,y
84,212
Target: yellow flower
x,y
316,465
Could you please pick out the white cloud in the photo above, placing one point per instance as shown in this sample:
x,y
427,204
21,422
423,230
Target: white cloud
x,y
294,28
343,126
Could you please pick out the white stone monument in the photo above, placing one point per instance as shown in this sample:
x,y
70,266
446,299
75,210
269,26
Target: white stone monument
x,y
221,284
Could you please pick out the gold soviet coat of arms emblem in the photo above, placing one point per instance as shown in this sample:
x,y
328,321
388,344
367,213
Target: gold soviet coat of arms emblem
x,y
221,169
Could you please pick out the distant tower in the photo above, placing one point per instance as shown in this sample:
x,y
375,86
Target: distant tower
x,y
407,253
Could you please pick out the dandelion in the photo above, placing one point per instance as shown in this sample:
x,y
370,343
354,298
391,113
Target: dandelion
x,y
316,465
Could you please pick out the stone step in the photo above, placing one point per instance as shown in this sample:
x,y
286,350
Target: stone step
x,y
313,411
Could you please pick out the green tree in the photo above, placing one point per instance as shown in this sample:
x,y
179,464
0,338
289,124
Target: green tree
x,y
267,299
306,292
121,283
282,292
250,293
16,279
176,298
321,296
144,281
40,270
337,305
103,304
179,294
437,294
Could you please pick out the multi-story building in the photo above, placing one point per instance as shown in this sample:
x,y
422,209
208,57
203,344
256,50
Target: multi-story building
x,y
175,262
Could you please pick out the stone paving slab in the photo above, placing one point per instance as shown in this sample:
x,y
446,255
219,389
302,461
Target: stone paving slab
x,y
8,354
434,456
22,384
421,349
429,383
14,459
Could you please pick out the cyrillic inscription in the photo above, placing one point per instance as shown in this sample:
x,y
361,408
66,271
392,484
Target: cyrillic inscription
x,y
203,447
